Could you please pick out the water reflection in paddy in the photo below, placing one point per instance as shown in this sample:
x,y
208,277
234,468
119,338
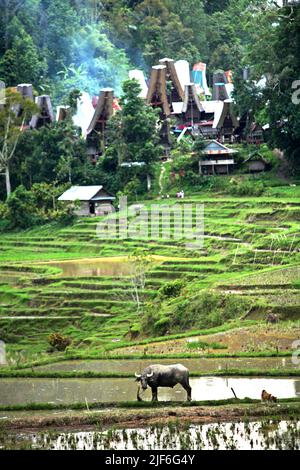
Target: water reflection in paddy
x,y
19,391
268,435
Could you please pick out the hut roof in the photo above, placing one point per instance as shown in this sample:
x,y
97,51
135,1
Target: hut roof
x,y
104,109
139,76
171,74
83,193
157,92
216,148
254,156
183,72
191,99
220,109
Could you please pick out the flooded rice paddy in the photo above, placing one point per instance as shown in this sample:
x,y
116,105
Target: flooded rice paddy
x,y
114,266
194,365
258,435
67,391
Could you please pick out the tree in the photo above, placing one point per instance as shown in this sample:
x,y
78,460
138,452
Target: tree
x,y
276,58
21,208
21,63
13,115
133,134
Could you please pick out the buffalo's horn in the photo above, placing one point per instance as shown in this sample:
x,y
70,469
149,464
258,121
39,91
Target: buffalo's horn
x,y
138,376
150,375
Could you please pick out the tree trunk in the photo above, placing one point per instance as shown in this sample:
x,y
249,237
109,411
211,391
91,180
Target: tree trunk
x,y
7,180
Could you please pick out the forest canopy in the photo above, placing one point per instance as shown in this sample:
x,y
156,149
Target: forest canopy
x,y
64,45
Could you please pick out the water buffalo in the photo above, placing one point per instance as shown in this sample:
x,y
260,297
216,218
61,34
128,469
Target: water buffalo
x,y
165,376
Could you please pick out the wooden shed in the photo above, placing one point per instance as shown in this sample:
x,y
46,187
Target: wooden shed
x,y
256,163
94,200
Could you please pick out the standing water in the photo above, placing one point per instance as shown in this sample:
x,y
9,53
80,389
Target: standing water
x,y
259,435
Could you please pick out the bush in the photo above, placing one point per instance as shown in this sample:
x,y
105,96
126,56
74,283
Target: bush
x,y
245,188
135,330
58,342
172,289
21,208
206,310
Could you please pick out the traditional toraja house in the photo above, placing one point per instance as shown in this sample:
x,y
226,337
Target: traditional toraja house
x,y
94,200
249,131
256,163
45,115
157,98
96,131
216,159
190,114
157,92
211,119
218,120
175,92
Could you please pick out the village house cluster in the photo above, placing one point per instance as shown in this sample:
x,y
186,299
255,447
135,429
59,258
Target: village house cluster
x,y
186,107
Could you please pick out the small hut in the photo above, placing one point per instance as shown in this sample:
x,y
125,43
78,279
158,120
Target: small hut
x,y
256,163
94,200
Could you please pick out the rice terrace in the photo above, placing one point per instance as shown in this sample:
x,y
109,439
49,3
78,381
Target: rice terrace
x,y
181,332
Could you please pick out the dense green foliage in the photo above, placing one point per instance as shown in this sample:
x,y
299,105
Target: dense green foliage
x,y
86,44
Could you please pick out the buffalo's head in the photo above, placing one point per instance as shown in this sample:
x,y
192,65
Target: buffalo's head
x,y
143,378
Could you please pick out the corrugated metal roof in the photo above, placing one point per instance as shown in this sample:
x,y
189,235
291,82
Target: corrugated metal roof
x,y
80,193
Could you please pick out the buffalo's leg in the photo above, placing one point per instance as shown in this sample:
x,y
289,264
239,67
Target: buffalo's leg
x,y
154,393
187,387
